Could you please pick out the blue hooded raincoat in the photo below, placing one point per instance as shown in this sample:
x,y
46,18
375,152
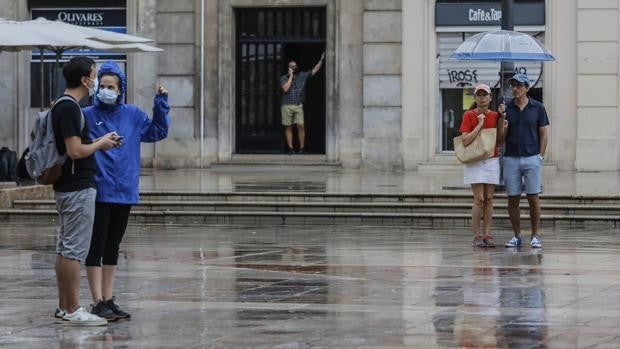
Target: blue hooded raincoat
x,y
118,169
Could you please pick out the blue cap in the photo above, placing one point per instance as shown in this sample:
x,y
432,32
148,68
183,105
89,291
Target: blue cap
x,y
521,78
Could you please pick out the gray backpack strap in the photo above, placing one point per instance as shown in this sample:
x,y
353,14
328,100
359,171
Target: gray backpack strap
x,y
82,122
67,98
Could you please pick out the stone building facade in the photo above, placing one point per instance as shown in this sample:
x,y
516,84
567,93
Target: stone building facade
x,y
383,98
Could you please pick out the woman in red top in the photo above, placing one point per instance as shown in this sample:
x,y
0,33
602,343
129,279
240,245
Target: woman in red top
x,y
484,174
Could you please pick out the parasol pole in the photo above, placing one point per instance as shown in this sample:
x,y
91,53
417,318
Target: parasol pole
x,y
507,67
56,66
506,71
42,76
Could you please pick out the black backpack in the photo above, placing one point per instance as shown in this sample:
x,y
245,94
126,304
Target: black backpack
x,y
8,165
22,172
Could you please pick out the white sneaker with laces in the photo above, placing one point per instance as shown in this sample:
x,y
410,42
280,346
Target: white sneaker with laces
x,y
81,317
535,242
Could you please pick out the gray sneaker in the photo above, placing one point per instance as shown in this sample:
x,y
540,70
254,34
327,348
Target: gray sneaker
x,y
120,313
536,242
102,309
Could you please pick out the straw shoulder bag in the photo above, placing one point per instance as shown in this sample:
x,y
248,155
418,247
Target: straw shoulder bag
x,y
483,146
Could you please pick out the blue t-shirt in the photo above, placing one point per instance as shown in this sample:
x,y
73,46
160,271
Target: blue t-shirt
x,y
522,138
296,93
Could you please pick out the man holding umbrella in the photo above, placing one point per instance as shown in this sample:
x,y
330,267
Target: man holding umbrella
x,y
526,143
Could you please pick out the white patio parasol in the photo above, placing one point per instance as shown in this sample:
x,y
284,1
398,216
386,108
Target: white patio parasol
x,y
42,34
44,25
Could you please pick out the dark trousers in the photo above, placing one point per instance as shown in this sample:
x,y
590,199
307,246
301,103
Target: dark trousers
x,y
108,230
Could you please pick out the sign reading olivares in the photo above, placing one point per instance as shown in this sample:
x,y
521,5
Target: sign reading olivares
x,y
91,19
112,19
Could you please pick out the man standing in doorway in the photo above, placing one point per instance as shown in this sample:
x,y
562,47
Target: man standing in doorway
x,y
526,143
293,86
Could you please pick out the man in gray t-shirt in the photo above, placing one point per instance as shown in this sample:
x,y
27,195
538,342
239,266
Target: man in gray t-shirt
x,y
293,86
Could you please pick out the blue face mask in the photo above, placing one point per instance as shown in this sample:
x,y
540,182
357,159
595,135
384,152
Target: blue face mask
x,y
107,96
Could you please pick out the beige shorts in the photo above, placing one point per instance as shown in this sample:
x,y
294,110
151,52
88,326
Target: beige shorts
x,y
292,114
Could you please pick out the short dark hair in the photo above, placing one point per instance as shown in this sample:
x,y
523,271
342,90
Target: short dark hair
x,y
75,69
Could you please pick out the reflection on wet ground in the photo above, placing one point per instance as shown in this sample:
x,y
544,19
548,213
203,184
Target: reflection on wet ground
x,y
257,178
325,287
281,185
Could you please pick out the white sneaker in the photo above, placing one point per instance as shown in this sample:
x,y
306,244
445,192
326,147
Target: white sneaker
x,y
81,317
536,243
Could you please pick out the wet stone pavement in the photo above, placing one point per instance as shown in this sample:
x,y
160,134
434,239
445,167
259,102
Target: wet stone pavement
x,y
325,287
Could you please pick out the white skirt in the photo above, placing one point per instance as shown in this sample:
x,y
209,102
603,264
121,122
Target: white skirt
x,y
484,171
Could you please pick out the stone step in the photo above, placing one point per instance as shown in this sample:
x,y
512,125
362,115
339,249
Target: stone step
x,y
287,195
377,207
280,161
418,220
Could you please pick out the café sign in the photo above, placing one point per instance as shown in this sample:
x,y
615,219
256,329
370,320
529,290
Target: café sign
x,y
487,14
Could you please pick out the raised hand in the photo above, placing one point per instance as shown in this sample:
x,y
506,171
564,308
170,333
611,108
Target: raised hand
x,y
501,108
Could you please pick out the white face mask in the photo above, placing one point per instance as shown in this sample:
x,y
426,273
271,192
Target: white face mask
x,y
107,96
91,90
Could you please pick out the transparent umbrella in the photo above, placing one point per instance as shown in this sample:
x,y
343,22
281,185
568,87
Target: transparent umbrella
x,y
502,46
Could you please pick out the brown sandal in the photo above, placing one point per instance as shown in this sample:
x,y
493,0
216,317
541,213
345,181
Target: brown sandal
x,y
478,241
488,241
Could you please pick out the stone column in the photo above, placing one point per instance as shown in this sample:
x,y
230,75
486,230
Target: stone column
x,y
381,145
177,70
349,81
211,81
15,72
597,86
560,87
418,120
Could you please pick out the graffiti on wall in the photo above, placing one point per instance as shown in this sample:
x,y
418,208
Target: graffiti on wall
x,y
469,77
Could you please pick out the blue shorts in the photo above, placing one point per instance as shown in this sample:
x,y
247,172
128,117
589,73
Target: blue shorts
x,y
526,169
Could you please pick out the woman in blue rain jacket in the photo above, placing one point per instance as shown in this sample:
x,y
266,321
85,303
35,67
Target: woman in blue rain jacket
x,y
118,172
